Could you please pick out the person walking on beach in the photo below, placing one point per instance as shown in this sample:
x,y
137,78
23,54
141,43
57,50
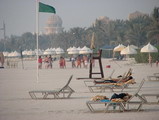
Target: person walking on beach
x,y
157,62
62,62
1,60
73,62
85,61
50,62
46,61
40,62
78,61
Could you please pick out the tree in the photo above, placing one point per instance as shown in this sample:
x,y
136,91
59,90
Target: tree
x,y
137,31
153,34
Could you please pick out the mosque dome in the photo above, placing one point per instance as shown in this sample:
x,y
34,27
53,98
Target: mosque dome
x,y
54,20
53,25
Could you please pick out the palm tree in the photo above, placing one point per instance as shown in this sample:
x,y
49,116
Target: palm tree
x,y
138,30
153,33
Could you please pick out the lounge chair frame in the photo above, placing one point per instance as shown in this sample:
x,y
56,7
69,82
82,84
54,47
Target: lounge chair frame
x,y
154,77
123,106
64,92
104,87
107,104
146,95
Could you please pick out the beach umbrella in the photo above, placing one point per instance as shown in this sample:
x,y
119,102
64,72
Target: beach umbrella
x,y
79,48
25,52
119,48
73,51
68,49
5,54
31,53
149,49
85,50
40,52
133,46
14,54
128,50
59,51
49,51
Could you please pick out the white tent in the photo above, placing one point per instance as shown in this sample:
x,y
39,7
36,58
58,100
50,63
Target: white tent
x,y
73,50
40,52
49,51
59,51
85,50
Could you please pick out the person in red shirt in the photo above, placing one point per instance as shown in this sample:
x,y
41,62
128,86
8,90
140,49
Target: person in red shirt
x,y
40,62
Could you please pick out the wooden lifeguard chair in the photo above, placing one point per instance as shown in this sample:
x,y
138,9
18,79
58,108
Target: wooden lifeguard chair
x,y
93,57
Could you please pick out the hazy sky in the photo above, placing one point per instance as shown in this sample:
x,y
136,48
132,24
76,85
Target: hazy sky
x,y
19,15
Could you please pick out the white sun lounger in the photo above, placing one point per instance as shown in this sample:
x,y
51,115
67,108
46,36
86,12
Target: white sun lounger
x,y
123,106
64,92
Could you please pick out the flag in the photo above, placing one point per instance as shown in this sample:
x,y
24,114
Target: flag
x,y
40,7
46,8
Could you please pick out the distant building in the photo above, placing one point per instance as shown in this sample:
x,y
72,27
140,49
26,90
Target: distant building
x,y
103,19
135,15
53,25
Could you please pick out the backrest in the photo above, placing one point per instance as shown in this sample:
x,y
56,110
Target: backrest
x,y
128,73
111,73
140,86
67,82
138,89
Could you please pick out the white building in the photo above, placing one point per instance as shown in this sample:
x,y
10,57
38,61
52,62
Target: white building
x,y
53,25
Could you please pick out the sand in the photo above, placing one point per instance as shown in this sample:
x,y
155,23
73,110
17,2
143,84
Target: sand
x,y
16,104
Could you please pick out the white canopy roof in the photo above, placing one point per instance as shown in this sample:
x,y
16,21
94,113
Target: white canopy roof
x,y
73,50
119,48
149,48
49,51
14,54
128,50
59,51
85,50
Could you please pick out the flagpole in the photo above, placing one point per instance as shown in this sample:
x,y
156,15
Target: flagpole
x,y
37,36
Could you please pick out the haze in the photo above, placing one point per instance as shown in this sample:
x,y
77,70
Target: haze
x,y
19,15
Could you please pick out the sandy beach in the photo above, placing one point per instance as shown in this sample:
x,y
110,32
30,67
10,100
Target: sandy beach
x,y
16,104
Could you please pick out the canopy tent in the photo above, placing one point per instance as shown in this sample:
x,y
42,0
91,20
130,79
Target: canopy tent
x,y
49,51
59,51
73,51
85,50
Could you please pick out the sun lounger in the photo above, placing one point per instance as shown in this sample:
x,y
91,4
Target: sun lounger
x,y
155,77
101,86
125,75
111,86
107,104
148,95
64,92
123,106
